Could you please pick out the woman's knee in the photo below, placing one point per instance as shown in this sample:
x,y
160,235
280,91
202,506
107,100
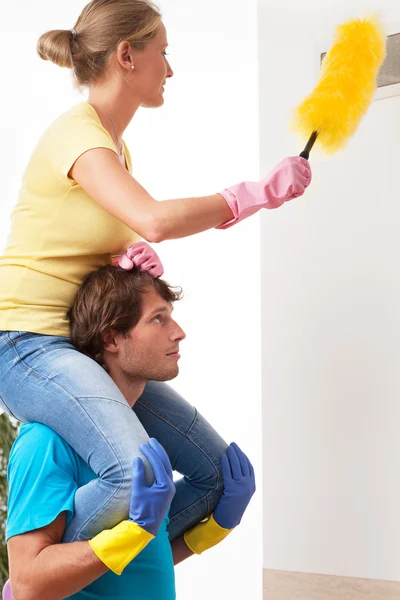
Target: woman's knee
x,y
118,477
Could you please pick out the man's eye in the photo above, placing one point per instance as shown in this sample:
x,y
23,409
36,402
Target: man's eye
x,y
157,319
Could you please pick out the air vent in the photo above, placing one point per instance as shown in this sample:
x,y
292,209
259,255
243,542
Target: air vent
x,y
390,70
388,80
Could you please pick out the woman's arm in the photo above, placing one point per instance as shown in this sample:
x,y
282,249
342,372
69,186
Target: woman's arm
x,y
103,177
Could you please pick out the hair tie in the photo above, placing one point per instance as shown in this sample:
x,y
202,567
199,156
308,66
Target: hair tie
x,y
73,33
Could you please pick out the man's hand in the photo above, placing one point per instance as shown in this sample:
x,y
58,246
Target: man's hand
x,y
239,486
149,505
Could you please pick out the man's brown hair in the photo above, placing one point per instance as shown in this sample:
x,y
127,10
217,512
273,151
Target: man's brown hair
x,y
111,298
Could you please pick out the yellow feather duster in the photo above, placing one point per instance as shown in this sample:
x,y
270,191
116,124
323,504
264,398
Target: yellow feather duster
x,y
347,83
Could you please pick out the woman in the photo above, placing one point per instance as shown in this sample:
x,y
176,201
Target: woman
x,y
79,206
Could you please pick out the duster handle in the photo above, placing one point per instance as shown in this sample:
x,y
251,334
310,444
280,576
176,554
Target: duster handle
x,y
306,152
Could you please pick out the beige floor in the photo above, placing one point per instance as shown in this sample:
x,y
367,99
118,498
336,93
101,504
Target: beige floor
x,y
285,585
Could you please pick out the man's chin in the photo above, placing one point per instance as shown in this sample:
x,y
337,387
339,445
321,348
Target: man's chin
x,y
166,375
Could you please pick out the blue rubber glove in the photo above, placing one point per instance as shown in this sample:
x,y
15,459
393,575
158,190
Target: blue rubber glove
x,y
239,486
150,504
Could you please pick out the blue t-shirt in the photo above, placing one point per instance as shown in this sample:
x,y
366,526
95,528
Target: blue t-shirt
x,y
44,473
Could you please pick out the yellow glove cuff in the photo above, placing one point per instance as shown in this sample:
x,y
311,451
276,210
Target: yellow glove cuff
x,y
118,546
205,535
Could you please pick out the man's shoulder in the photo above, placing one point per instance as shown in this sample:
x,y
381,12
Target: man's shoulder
x,y
43,476
35,440
37,433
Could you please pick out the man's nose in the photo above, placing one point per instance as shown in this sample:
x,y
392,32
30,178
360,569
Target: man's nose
x,y
178,333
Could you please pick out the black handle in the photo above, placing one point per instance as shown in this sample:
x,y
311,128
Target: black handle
x,y
306,152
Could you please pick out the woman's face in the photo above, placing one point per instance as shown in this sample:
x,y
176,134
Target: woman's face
x,y
152,70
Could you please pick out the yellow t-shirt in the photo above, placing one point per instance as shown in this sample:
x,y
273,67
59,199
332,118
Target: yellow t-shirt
x,y
58,232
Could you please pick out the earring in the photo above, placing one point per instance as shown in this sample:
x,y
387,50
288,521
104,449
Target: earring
x,y
133,66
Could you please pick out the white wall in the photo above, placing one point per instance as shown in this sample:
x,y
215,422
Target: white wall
x,y
205,138
331,324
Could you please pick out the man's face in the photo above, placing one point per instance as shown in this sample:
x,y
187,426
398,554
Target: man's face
x,y
150,350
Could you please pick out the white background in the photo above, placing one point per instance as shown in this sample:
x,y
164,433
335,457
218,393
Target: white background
x,y
331,324
203,139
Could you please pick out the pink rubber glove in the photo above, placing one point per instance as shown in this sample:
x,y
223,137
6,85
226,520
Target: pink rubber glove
x,y
7,594
143,257
288,180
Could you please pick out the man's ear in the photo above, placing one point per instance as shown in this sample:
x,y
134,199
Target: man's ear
x,y
110,341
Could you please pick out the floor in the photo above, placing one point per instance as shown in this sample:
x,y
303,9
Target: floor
x,y
286,585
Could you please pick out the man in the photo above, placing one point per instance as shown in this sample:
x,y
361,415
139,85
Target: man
x,y
135,559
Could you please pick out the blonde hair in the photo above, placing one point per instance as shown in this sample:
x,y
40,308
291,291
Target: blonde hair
x,y
101,26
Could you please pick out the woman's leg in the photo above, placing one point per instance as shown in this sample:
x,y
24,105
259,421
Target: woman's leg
x,y
44,379
194,449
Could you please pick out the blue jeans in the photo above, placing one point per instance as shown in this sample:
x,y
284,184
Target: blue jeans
x,y
45,379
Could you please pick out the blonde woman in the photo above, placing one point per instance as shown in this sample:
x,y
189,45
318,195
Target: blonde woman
x,y
80,206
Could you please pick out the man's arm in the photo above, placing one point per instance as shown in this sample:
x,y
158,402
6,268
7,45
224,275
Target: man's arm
x,y
180,550
42,567
239,487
